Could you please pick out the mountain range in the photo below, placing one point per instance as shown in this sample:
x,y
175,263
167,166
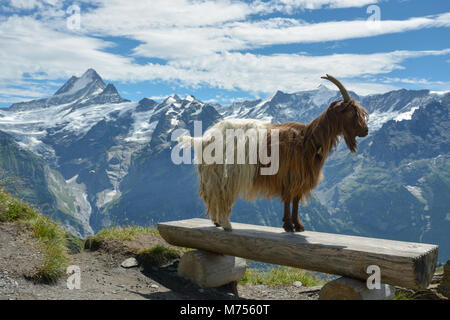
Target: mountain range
x,y
91,159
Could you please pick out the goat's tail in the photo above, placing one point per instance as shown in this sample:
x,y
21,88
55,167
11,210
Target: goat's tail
x,y
192,142
188,141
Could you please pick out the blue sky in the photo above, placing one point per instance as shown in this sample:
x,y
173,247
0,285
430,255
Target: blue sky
x,y
222,51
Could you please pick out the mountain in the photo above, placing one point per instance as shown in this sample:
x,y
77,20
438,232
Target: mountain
x,y
24,173
106,160
87,89
283,107
398,184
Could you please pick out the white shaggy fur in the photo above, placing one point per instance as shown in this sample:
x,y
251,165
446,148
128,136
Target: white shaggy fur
x,y
221,184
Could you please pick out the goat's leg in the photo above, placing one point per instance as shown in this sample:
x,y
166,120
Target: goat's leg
x,y
287,221
224,221
298,227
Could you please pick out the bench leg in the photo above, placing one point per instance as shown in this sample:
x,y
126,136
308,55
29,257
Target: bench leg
x,y
210,270
350,289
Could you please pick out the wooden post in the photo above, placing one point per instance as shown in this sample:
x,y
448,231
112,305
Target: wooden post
x,y
351,289
405,264
209,270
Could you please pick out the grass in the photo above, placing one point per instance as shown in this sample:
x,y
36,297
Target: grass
x,y
12,209
280,276
439,269
52,237
124,233
403,295
117,233
158,255
74,244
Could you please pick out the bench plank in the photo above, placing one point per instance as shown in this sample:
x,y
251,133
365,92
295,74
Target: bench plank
x,y
405,264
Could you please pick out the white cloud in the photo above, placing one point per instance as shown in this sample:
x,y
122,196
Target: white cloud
x,y
290,6
24,4
30,46
30,92
282,31
200,40
291,72
415,81
203,28
118,16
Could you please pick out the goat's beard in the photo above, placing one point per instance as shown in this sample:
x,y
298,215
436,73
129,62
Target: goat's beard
x,y
351,142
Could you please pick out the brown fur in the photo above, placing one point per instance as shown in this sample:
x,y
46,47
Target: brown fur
x,y
303,149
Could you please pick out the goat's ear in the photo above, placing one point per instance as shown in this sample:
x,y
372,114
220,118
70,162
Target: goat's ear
x,y
340,106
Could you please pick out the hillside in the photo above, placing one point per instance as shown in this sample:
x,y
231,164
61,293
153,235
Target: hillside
x,y
35,254
102,277
33,264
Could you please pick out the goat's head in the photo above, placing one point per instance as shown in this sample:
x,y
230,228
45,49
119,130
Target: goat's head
x,y
353,117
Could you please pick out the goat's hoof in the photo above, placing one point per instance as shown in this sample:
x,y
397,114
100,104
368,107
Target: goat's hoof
x,y
299,228
288,227
216,224
226,226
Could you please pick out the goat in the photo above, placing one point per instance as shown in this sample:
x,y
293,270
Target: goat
x,y
302,151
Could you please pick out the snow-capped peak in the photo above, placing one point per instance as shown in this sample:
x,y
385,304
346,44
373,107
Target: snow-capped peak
x,y
90,83
76,92
323,87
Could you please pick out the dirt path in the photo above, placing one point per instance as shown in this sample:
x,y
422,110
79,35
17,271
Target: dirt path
x,y
102,277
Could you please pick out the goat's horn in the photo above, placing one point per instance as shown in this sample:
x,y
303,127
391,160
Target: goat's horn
x,y
339,85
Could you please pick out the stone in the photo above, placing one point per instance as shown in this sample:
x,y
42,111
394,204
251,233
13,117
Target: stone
x,y
210,270
297,284
444,286
351,289
129,263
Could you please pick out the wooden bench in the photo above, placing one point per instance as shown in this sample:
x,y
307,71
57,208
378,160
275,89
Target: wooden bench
x,y
221,256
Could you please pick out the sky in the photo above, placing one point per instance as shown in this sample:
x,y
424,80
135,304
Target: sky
x,y
223,51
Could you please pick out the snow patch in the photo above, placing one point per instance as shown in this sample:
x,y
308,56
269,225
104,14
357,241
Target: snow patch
x,y
416,192
106,196
406,115
322,96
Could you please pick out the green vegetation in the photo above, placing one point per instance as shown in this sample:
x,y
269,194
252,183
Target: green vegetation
x,y
74,244
52,237
280,276
123,233
403,295
439,268
12,209
117,233
158,255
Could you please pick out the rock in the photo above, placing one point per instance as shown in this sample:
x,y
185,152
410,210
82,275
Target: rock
x,y
444,286
154,286
297,284
209,270
130,263
351,289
